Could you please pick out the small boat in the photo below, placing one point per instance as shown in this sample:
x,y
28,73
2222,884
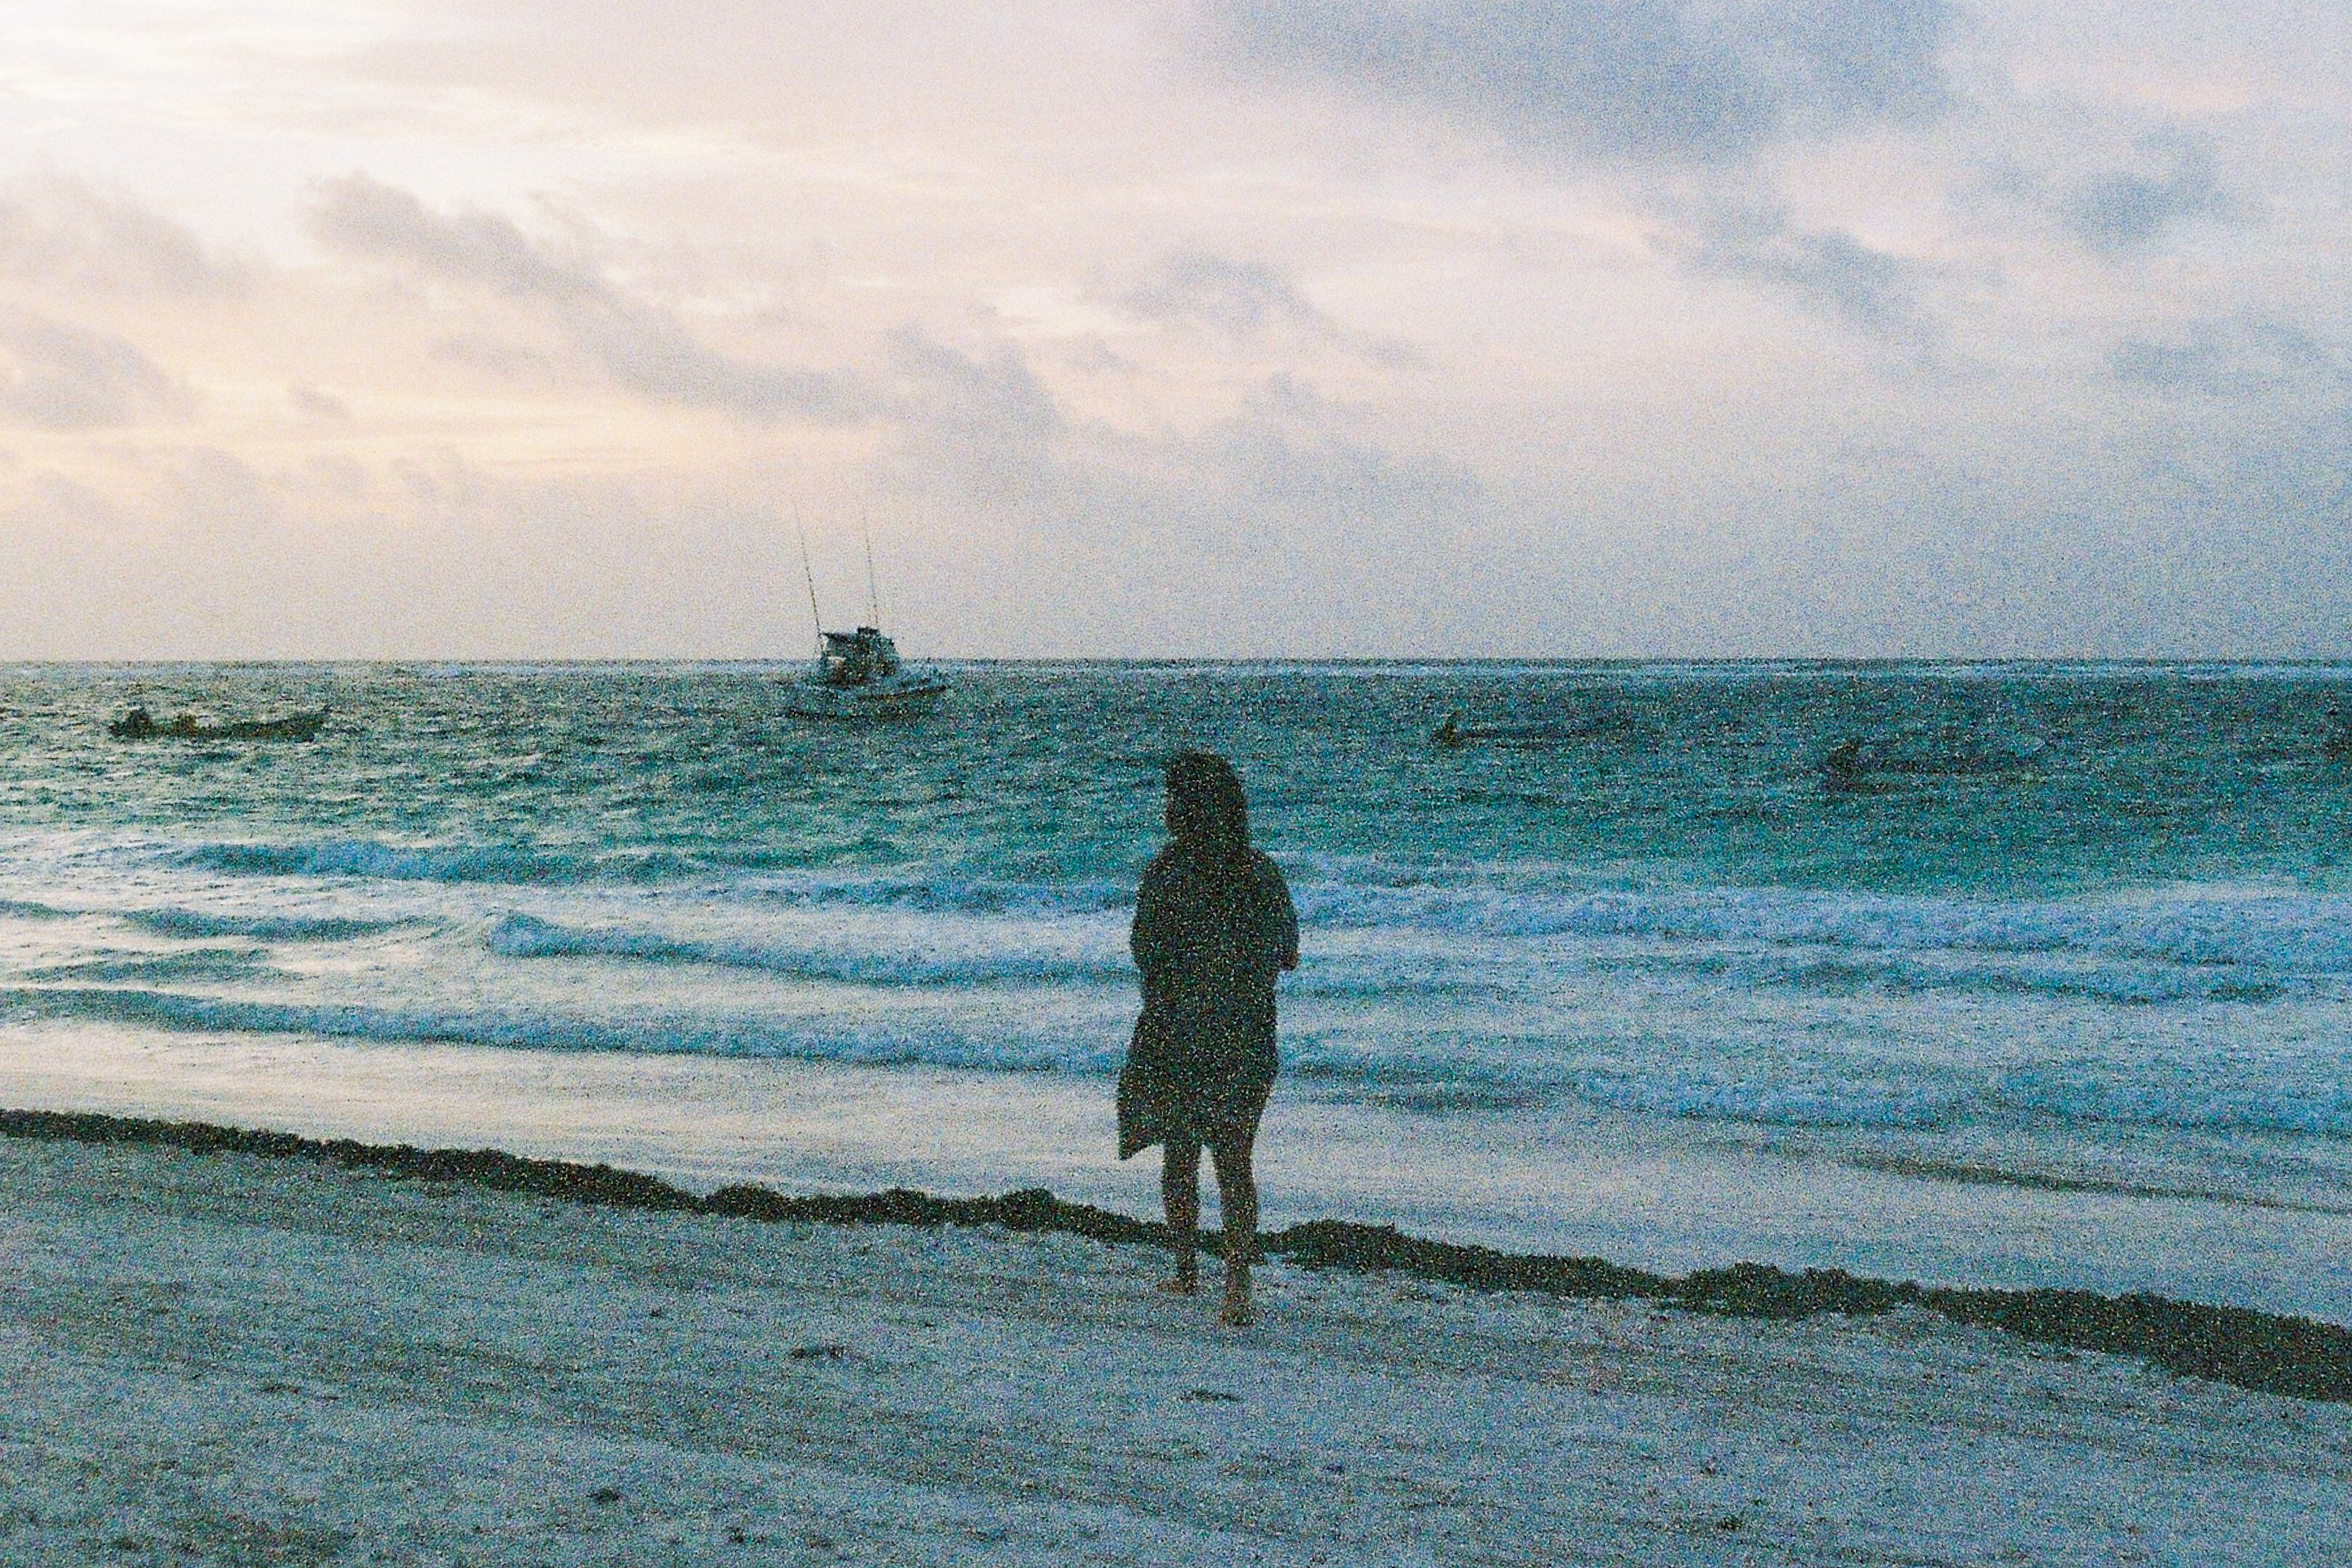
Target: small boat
x,y
858,676
1451,734
1858,762
2338,745
139,725
1842,770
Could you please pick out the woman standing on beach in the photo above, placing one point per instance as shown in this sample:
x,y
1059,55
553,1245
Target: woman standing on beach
x,y
1213,926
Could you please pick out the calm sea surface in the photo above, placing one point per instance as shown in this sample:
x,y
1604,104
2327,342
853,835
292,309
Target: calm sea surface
x,y
2065,929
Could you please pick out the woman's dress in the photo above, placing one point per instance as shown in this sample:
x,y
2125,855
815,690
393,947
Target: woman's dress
x,y
1209,939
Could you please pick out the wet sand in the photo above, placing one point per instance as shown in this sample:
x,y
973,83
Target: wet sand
x,y
1657,1192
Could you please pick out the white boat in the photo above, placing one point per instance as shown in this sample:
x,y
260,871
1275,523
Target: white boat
x,y
858,676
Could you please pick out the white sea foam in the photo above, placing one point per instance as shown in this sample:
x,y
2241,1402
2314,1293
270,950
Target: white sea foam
x,y
2303,934
1800,1102
931,892
371,859
2270,935
912,1041
1496,981
202,923
526,936
2183,1098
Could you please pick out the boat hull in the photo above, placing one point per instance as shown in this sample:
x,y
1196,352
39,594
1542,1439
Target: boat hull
x,y
877,703
293,727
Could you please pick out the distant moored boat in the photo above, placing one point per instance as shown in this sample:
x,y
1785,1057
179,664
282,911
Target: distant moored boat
x,y
139,725
2337,744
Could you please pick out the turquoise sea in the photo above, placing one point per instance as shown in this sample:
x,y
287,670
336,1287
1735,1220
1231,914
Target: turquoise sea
x,y
2068,943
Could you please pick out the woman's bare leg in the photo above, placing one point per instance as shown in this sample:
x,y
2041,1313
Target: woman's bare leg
x,y
1179,1193
1237,1201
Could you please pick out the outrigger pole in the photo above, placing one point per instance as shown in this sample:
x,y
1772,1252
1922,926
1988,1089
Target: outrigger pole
x,y
873,594
816,616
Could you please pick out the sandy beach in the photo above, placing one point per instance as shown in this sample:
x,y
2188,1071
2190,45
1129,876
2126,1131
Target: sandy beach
x,y
219,1358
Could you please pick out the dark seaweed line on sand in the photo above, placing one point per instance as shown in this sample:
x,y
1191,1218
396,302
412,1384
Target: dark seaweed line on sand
x,y
2269,1353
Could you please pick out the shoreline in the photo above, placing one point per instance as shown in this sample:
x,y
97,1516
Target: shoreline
x,y
2267,1352
1653,1191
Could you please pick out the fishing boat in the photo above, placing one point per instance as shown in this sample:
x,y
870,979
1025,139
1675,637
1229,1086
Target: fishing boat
x,y
1863,761
858,674
1451,734
139,725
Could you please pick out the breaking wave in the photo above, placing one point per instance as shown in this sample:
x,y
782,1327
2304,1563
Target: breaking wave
x,y
747,875
200,924
2293,931
527,936
368,858
2316,1104
876,1042
1803,1102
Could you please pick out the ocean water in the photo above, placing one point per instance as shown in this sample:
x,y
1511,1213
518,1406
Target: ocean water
x,y
2076,929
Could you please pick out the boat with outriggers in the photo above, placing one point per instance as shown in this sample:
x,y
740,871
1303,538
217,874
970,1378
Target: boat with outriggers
x,y
857,676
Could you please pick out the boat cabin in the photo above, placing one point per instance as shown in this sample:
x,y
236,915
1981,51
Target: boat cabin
x,y
857,658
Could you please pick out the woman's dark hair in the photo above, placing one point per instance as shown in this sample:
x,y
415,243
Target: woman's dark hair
x,y
1206,810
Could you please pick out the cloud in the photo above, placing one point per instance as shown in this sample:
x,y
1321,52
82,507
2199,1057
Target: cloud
x,y
52,509
362,216
1200,288
60,377
62,232
2130,212
1290,525
506,360
655,356
1638,80
2249,357
1827,271
644,348
980,428
1244,300
309,400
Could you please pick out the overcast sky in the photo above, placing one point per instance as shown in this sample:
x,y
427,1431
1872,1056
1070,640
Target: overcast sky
x,y
510,328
